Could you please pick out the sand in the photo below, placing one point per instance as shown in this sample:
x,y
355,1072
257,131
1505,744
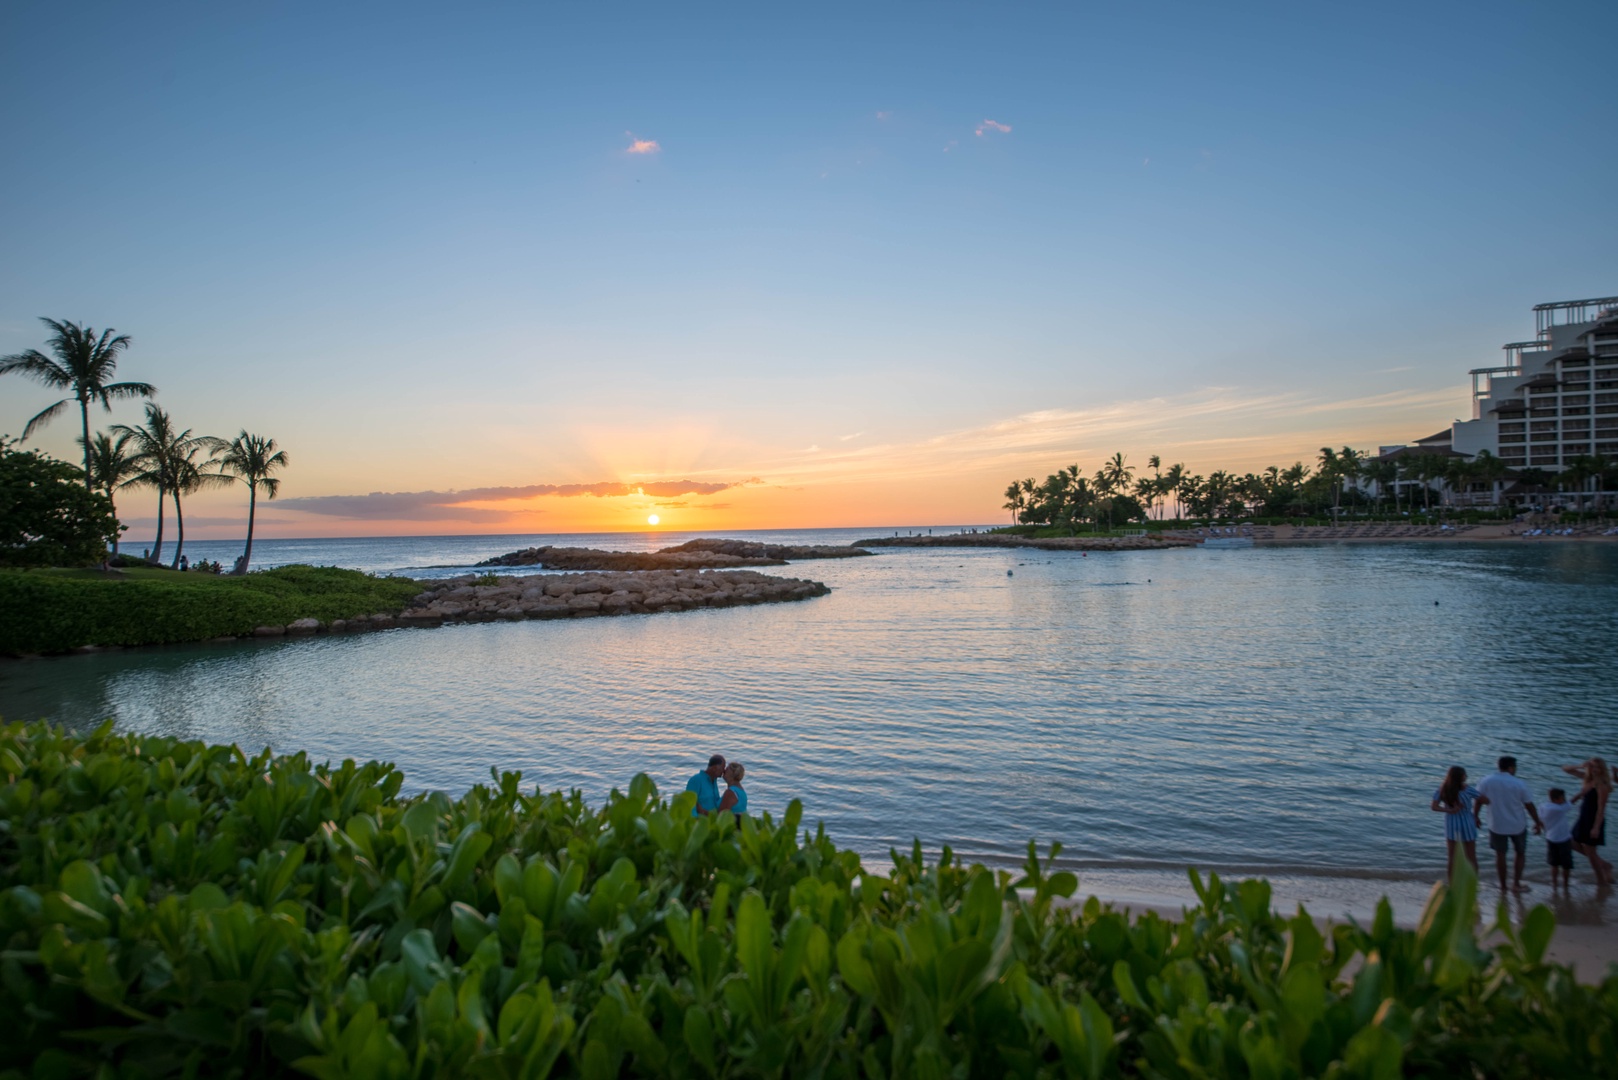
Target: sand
x,y
1586,936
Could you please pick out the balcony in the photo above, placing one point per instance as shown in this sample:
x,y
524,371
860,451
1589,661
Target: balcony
x,y
1570,312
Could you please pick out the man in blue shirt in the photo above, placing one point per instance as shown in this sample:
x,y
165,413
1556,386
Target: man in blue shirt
x,y
706,785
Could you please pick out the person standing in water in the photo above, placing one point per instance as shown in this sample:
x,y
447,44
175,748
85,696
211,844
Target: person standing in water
x,y
1455,800
735,799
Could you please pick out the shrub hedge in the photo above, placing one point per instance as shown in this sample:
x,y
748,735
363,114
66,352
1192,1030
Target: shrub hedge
x,y
171,908
57,610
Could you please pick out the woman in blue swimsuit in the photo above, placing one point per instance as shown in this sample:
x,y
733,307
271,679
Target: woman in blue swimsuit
x,y
735,800
1458,802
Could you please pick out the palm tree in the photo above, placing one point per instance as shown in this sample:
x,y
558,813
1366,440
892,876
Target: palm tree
x,y
1350,467
1013,503
1384,473
1170,487
1331,469
167,462
1490,470
187,476
84,364
112,465
251,459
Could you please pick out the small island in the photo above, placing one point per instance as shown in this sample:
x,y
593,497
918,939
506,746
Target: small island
x,y
702,554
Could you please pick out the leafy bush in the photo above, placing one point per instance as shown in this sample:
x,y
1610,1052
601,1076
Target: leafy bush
x,y
47,516
171,908
51,611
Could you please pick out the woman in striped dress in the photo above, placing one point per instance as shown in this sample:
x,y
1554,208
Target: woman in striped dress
x,y
1458,802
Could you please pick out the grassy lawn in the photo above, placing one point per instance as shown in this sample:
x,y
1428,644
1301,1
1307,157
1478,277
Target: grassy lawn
x,y
55,610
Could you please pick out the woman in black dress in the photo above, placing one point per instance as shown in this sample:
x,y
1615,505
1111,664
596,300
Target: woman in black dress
x,y
1589,834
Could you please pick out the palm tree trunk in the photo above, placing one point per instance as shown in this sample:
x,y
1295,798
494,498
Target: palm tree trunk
x,y
179,531
157,545
84,420
252,507
115,515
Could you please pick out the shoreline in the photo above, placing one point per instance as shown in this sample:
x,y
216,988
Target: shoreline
x,y
1586,937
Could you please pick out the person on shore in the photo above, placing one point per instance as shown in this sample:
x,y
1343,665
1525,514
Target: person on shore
x,y
1589,833
1456,801
1557,816
735,799
706,785
1510,804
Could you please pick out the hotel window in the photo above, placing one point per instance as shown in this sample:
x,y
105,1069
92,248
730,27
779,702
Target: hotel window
x,y
1571,387
1576,410
1542,425
1504,428
1610,422
1574,449
1504,439
1549,436
1576,399
1541,412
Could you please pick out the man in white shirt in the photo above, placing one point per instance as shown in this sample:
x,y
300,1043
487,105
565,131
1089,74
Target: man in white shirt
x,y
1511,804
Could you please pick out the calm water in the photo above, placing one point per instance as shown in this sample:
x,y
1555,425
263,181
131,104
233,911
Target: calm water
x,y
1280,710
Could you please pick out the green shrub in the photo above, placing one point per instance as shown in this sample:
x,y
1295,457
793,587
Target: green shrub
x,y
52,610
171,908
47,516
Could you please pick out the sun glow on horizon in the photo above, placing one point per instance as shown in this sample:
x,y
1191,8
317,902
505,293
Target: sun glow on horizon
x,y
653,519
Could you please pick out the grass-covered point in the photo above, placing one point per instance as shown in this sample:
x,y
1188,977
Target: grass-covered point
x,y
171,908
55,610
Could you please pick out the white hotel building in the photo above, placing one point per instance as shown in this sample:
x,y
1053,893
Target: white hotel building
x,y
1555,397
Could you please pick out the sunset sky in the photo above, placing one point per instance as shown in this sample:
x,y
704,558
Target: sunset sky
x,y
523,268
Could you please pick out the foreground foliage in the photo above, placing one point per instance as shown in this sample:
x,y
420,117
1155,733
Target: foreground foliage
x,y
172,908
51,611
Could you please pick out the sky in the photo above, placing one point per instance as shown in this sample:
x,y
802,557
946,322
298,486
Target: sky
x,y
548,268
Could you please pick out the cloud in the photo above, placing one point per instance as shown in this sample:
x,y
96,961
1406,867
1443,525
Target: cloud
x,y
883,114
641,146
815,449
456,505
952,144
848,438
993,125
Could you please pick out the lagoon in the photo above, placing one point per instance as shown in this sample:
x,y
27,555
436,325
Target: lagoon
x,y
1284,711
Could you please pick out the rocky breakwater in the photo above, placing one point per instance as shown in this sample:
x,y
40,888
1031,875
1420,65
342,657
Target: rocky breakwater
x,y
573,596
692,555
1152,542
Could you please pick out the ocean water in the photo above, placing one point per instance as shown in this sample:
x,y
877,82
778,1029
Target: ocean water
x,y
1285,711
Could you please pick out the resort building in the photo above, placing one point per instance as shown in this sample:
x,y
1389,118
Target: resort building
x,y
1552,405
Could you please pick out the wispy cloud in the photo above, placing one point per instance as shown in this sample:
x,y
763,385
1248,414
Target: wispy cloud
x,y
883,114
850,438
461,505
641,146
992,125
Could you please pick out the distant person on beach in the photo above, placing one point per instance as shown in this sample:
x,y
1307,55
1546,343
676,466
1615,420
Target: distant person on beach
x,y
1510,804
706,785
1589,833
1557,815
735,799
1456,801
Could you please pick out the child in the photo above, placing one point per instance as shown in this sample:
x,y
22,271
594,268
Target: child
x,y
1558,818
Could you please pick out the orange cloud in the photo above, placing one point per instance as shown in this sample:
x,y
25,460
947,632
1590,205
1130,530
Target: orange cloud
x,y
641,146
992,125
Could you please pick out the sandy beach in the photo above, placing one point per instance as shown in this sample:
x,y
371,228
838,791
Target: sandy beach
x,y
1586,920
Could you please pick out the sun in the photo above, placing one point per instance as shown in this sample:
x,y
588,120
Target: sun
x,y
652,519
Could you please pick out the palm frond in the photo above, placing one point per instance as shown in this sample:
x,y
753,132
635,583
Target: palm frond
x,y
37,366
46,416
123,390
271,486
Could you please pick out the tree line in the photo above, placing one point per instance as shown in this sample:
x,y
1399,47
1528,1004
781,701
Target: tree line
x,y
158,454
1118,493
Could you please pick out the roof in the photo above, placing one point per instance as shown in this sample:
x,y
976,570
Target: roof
x,y
1445,436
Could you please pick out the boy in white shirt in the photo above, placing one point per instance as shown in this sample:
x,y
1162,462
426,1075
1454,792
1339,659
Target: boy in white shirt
x,y
1557,816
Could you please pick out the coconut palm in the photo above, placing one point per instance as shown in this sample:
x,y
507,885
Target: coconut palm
x,y
84,364
167,461
252,458
1350,468
1014,502
189,475
1170,487
112,464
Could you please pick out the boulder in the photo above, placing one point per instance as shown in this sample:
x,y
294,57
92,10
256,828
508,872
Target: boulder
x,y
303,626
269,631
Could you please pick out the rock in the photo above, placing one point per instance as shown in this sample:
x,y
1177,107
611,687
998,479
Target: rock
x,y
303,626
337,626
269,631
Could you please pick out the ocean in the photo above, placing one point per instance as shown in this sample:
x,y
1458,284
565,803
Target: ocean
x,y
1284,711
